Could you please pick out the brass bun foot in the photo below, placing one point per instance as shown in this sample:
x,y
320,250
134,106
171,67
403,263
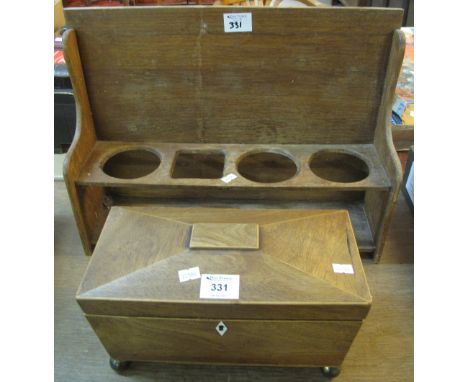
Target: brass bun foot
x,y
118,366
330,371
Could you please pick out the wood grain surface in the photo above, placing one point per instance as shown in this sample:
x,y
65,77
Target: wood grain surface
x,y
254,342
88,207
223,236
380,205
382,350
313,75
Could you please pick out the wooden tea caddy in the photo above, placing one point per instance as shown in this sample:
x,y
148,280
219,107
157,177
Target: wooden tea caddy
x,y
292,308
174,114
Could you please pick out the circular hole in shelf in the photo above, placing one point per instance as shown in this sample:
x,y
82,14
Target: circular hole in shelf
x,y
338,166
131,164
266,167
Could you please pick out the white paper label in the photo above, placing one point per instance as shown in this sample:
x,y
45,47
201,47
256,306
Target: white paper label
x,y
343,268
220,286
237,22
229,178
410,183
189,274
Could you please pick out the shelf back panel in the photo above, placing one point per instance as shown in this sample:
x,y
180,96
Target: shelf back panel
x,y
171,74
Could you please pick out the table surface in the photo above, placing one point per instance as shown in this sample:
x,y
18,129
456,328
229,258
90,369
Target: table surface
x,y
382,351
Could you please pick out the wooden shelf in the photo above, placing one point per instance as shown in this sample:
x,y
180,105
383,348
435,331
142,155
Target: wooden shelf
x,y
304,190
93,174
284,127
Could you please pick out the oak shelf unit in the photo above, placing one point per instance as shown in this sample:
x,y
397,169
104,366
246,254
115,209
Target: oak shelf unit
x,y
168,104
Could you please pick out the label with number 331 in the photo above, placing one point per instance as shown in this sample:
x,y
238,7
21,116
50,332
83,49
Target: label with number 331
x,y
220,286
237,22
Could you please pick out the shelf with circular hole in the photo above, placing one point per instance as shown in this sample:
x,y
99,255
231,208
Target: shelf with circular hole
x,y
295,169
